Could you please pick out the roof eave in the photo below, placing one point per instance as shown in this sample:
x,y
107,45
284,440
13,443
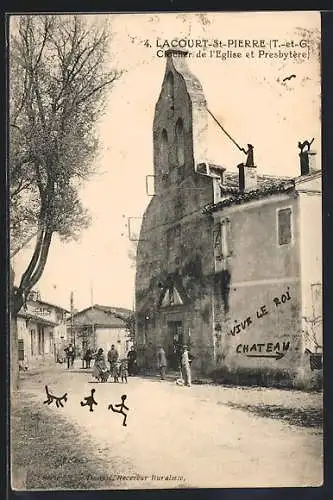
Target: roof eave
x,y
243,198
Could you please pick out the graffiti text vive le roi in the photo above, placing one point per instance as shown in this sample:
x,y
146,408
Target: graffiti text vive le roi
x,y
260,313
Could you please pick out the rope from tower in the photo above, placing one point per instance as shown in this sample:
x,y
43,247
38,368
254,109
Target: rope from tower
x,y
226,133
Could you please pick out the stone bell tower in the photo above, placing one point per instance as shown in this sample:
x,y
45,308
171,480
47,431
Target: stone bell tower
x,y
180,123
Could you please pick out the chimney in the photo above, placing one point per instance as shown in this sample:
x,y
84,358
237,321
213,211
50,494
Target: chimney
x,y
307,158
308,162
247,175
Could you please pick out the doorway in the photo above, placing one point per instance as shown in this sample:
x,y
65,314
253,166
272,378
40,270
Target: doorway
x,y
175,340
40,340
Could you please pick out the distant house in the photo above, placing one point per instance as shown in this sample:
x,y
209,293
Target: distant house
x,y
41,328
100,326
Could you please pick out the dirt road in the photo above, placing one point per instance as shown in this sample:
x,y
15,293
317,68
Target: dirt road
x,y
203,436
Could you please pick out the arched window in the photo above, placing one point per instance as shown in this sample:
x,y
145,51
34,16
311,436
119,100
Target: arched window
x,y
180,145
170,86
164,152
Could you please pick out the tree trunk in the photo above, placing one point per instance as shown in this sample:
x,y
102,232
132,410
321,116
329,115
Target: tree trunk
x,y
15,306
14,362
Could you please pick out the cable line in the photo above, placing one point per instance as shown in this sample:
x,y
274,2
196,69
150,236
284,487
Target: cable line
x,y
226,133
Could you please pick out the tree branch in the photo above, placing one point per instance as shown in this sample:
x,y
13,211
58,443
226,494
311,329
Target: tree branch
x,y
28,158
20,247
21,187
96,89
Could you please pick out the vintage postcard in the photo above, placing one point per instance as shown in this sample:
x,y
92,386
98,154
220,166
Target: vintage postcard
x,y
166,250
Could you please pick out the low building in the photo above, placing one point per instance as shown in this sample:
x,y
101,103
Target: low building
x,y
41,328
100,326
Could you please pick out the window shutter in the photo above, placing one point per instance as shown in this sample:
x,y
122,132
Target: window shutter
x,y
284,226
21,350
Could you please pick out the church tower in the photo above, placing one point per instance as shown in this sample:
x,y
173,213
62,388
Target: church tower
x,y
180,123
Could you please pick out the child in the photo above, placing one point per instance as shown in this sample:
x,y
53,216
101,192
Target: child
x,y
116,371
124,370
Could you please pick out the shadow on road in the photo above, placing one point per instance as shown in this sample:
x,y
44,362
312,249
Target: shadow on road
x,y
303,417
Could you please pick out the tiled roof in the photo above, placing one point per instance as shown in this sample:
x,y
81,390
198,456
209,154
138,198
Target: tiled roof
x,y
114,310
37,319
102,316
267,185
231,180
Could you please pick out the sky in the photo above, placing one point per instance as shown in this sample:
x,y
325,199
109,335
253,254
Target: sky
x,y
247,95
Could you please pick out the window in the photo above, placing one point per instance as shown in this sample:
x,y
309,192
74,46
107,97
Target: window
x,y
40,340
164,152
180,146
51,343
222,240
32,337
284,226
20,349
170,85
173,243
173,236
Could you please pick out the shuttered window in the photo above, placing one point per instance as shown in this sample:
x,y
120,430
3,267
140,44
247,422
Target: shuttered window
x,y
284,226
21,350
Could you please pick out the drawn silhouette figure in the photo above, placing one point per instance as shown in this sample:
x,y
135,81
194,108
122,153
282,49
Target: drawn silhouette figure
x,y
51,398
305,144
89,400
121,407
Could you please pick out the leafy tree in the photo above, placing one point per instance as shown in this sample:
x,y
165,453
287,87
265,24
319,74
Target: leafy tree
x,y
129,320
58,83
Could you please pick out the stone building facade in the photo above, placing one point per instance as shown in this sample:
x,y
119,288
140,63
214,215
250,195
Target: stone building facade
x,y
209,255
100,326
41,328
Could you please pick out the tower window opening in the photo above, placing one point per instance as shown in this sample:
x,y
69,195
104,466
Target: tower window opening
x,y
164,152
180,145
170,85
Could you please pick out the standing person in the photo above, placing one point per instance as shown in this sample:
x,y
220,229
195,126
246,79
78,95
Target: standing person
x,y
161,361
131,357
88,357
123,373
112,359
70,353
99,366
185,367
84,364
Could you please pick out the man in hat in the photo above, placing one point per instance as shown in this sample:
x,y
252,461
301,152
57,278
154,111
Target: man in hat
x,y
161,361
113,359
131,357
185,367
70,354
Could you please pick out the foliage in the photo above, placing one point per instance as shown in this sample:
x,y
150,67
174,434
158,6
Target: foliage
x,y
129,320
58,83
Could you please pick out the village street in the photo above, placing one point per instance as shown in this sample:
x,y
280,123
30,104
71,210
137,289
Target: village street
x,y
179,437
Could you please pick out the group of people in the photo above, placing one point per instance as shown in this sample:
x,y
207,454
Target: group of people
x,y
70,353
119,369
184,360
